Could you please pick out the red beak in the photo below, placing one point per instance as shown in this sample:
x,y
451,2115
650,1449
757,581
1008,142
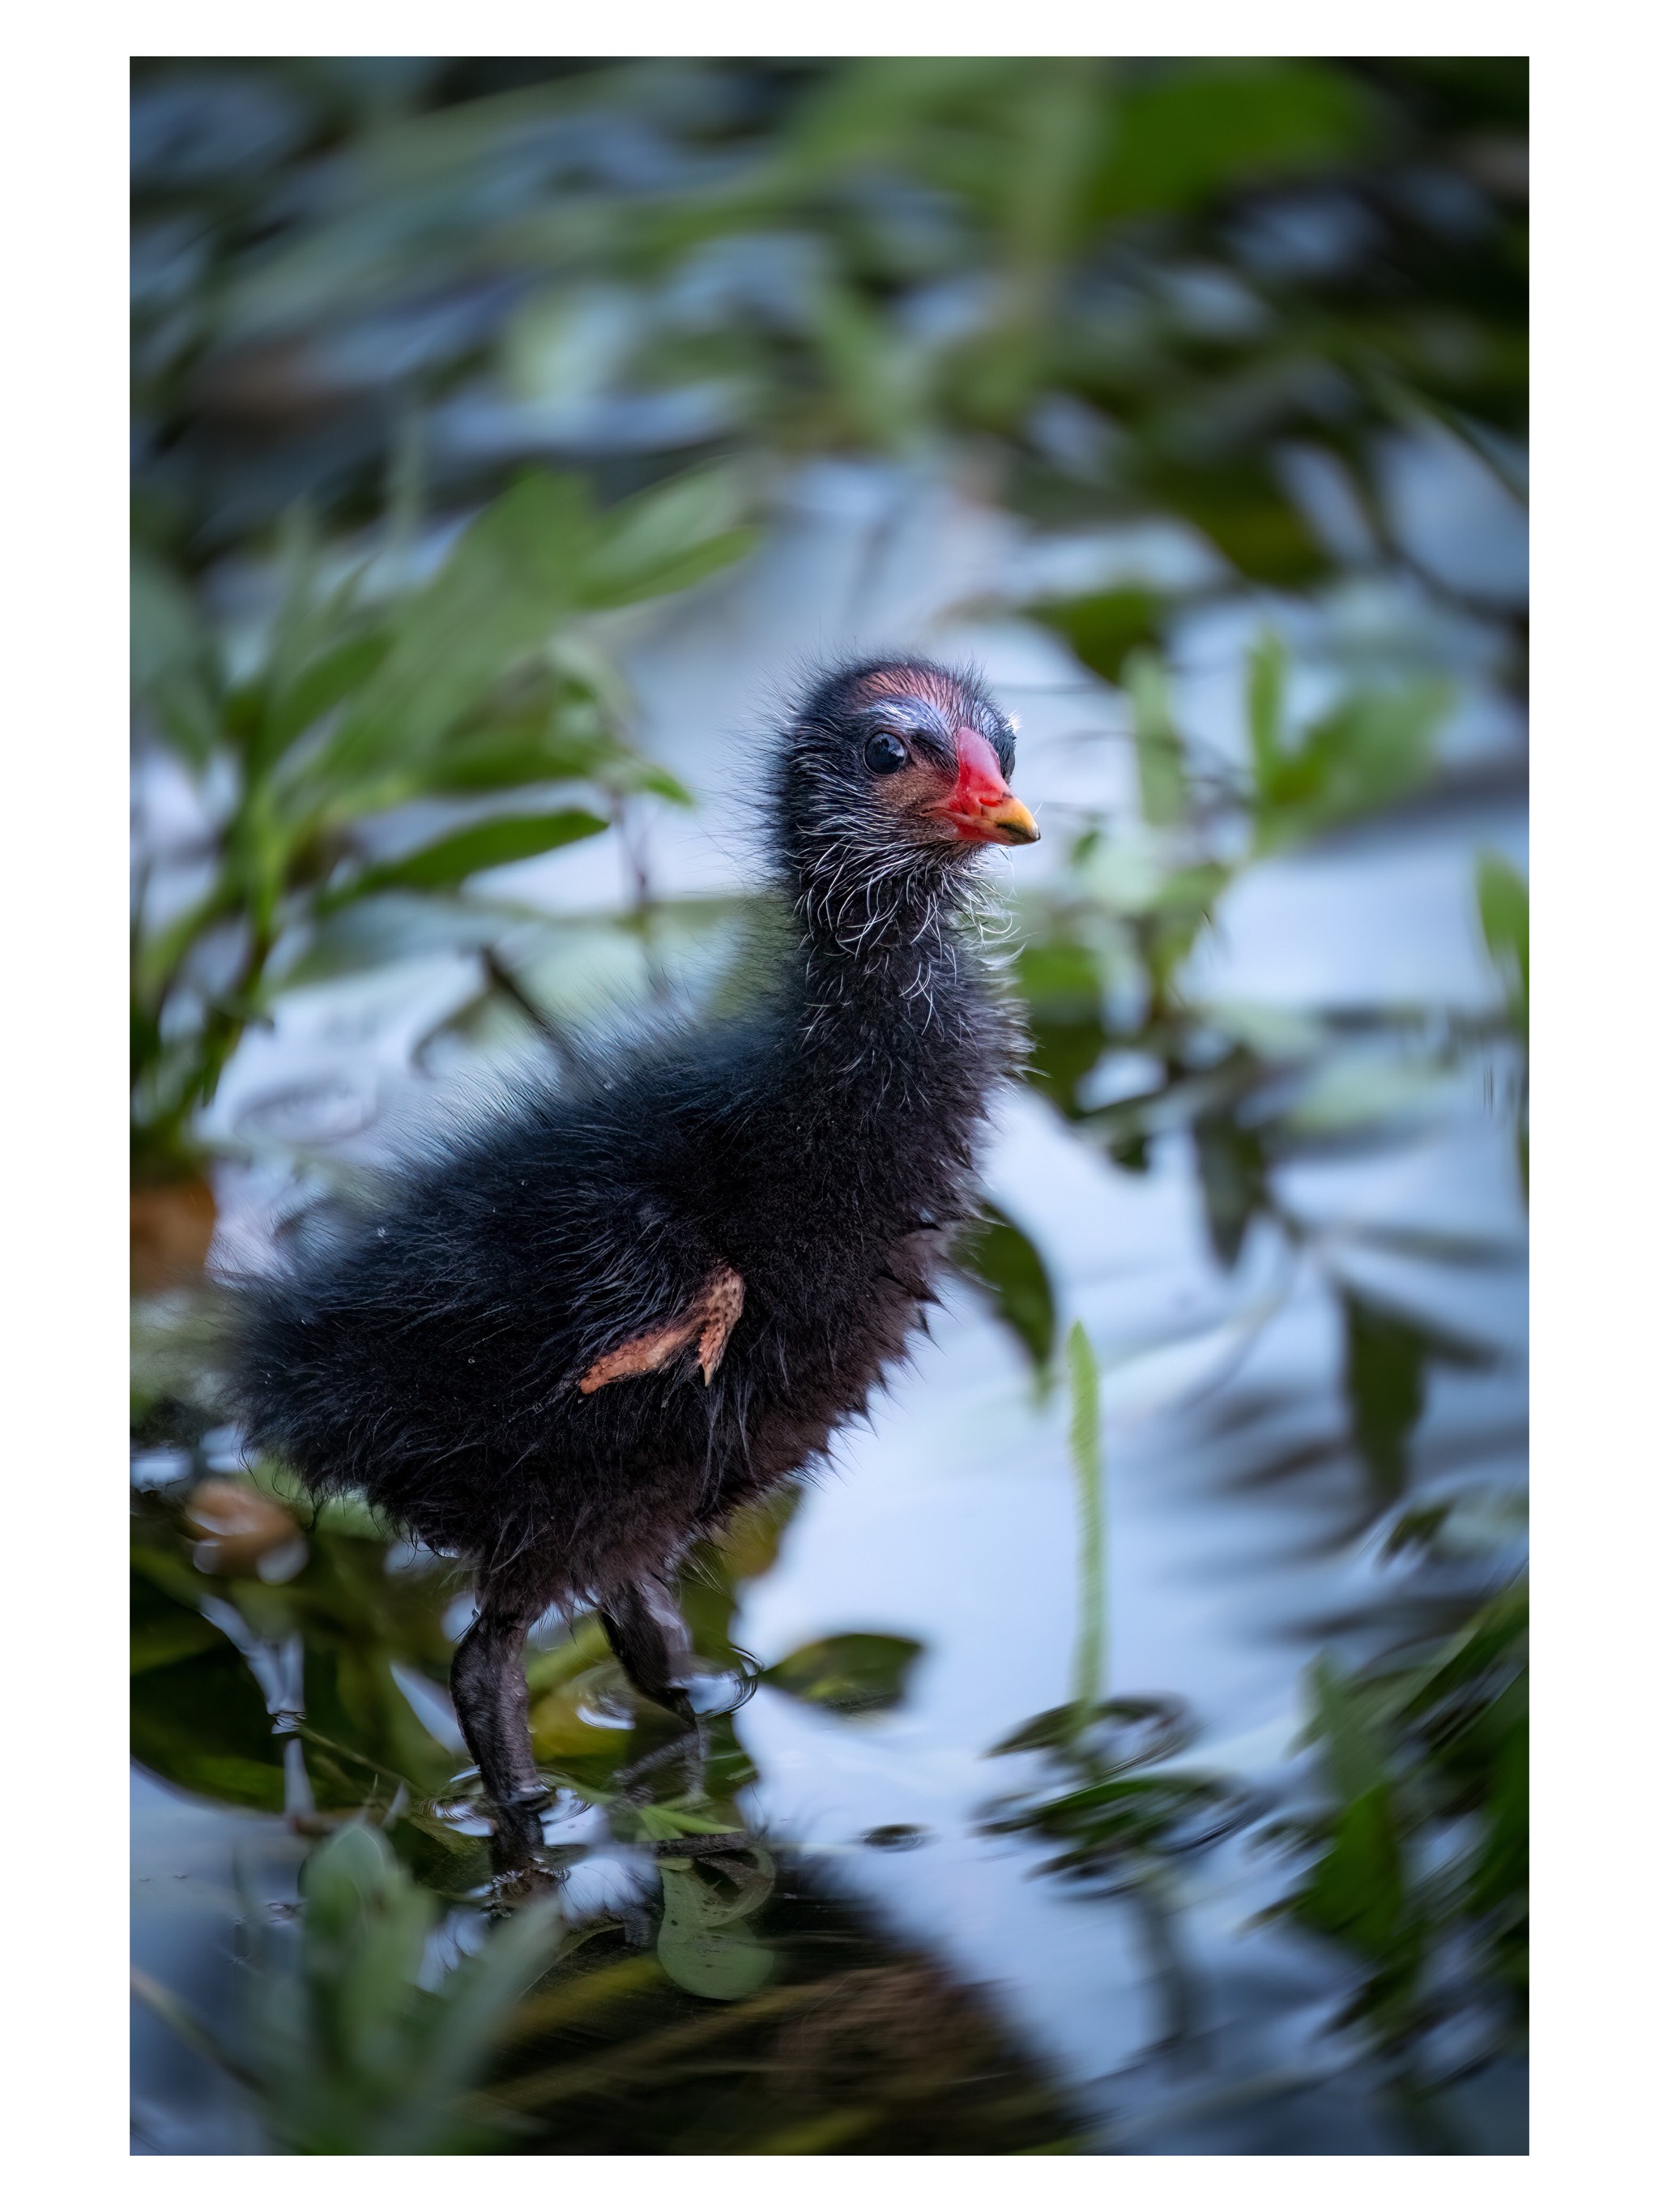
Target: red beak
x,y
981,807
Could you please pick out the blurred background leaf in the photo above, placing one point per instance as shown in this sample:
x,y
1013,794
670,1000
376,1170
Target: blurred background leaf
x,y
848,1674
1504,917
999,1255
355,2055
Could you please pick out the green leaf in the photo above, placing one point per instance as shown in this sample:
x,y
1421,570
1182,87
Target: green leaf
x,y
698,1946
518,749
1001,1257
322,684
1370,749
663,539
688,568
510,579
1232,1167
164,1631
662,1823
715,1571
1158,743
362,1735
883,102
1383,1375
347,1879
309,617
1354,1756
1243,510
1061,985
1500,1874
1379,743
1358,1891
646,775
848,1674
476,2001
352,2054
1494,1639
1504,921
1210,126
482,845
1104,628
199,1719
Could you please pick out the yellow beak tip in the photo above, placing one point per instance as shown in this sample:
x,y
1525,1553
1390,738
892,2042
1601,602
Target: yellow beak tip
x,y
1015,821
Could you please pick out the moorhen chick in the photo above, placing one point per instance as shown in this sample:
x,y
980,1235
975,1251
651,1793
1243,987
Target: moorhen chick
x,y
569,1341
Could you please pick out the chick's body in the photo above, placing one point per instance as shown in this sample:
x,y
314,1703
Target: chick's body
x,y
571,1337
429,1355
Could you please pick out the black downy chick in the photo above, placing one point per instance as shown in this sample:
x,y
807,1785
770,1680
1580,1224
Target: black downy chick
x,y
568,1344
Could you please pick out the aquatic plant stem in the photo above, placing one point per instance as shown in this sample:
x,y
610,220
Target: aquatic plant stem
x,y
1089,1662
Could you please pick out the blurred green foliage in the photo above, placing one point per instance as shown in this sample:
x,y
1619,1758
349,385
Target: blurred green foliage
x,y
351,2053
1504,917
999,1255
1423,1845
1203,258
472,685
1370,748
372,291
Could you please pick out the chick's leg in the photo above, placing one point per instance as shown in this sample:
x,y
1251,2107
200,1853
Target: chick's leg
x,y
493,1704
652,1643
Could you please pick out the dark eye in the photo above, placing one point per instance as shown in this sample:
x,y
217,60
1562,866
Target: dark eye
x,y
884,753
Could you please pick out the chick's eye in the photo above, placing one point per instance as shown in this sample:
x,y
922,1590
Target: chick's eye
x,y
884,753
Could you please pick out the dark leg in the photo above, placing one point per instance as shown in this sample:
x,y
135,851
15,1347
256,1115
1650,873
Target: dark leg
x,y
653,1645
493,1707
